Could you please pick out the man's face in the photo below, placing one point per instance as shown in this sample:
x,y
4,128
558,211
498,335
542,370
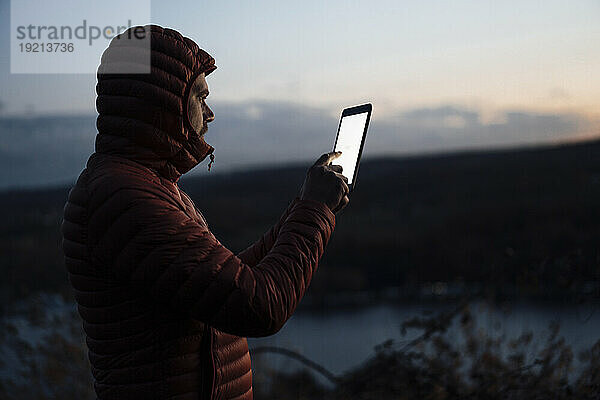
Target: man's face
x,y
198,111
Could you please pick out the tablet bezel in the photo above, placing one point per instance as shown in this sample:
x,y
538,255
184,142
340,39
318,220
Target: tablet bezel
x,y
360,109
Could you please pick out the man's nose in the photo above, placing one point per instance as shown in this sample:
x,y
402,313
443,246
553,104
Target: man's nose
x,y
208,114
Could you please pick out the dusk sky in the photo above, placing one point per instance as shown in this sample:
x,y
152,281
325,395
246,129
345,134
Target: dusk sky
x,y
425,66
539,55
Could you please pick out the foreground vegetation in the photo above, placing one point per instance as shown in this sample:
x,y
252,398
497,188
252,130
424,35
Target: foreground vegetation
x,y
434,365
438,367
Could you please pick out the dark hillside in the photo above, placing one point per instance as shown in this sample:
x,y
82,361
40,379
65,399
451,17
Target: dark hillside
x,y
528,219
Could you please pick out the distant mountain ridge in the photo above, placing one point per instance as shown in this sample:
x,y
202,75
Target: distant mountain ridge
x,y
52,150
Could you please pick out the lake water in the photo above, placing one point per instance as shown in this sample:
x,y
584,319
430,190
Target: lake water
x,y
340,339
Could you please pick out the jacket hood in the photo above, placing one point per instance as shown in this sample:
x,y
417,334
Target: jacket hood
x,y
143,116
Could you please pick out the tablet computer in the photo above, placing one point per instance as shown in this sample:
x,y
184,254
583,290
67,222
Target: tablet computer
x,y
350,140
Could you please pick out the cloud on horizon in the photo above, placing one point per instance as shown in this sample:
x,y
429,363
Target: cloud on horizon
x,y
53,150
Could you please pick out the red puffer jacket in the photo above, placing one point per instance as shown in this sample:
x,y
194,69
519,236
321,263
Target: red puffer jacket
x,y
165,306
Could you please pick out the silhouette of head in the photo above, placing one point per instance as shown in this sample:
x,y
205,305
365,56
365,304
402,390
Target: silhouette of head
x,y
198,111
157,118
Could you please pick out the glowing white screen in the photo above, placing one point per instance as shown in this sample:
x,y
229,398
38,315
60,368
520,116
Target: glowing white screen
x,y
348,142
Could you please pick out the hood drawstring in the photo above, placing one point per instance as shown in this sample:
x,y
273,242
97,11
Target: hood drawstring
x,y
212,159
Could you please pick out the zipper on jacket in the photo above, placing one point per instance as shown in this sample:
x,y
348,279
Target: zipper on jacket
x,y
212,363
208,370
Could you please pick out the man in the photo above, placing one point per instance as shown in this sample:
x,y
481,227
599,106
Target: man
x,y
165,306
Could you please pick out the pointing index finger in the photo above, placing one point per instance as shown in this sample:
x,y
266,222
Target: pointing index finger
x,y
327,158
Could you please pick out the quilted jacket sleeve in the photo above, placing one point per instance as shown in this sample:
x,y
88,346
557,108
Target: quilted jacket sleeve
x,y
257,251
183,265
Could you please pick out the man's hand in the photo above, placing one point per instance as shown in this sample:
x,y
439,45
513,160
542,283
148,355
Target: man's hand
x,y
325,183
